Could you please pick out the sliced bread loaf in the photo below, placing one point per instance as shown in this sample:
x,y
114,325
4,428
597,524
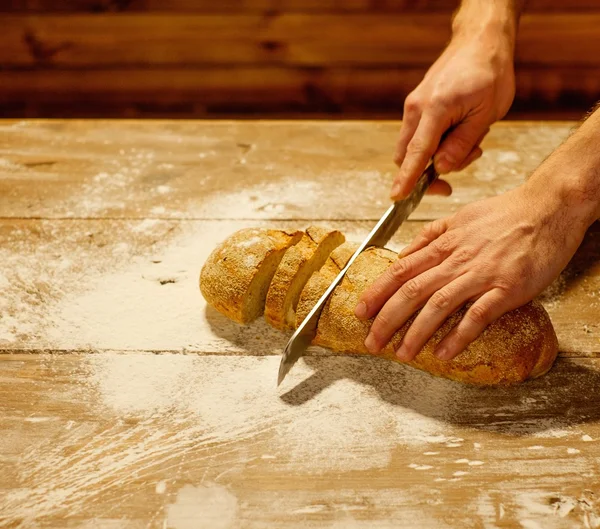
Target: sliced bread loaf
x,y
237,274
296,267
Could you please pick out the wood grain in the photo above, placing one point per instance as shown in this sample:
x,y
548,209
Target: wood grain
x,y
251,6
126,402
270,90
243,170
61,279
132,441
82,41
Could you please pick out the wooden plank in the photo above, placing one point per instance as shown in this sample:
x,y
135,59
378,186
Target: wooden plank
x,y
273,89
51,275
158,440
83,41
243,170
253,6
79,285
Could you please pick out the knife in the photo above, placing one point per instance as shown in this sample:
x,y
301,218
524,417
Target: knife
x,y
383,231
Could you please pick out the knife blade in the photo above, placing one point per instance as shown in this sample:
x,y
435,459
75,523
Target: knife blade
x,y
380,235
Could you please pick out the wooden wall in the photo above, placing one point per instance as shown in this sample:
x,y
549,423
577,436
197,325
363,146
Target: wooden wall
x,y
187,58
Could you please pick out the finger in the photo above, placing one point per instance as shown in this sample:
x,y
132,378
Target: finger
x,y
440,187
473,155
398,273
484,311
419,151
405,302
457,145
410,122
436,311
428,234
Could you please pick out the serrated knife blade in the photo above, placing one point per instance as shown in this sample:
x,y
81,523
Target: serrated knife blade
x,y
383,231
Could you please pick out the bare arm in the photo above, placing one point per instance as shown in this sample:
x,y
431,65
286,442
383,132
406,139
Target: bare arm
x,y
467,89
496,254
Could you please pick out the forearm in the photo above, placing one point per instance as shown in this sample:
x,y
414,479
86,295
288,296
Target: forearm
x,y
571,174
492,20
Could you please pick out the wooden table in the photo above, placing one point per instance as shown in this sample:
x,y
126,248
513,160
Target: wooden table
x,y
126,403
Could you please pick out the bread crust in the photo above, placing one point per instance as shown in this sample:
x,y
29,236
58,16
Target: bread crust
x,y
236,263
521,344
295,269
321,279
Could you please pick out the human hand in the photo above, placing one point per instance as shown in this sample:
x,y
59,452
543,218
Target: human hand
x,y
497,254
446,117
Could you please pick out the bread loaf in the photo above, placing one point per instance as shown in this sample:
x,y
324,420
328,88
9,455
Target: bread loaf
x,y
520,345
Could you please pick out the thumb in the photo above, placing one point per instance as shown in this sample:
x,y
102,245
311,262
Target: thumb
x,y
458,144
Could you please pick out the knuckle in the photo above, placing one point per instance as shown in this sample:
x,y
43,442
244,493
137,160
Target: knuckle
x,y
443,246
399,269
462,256
416,147
412,289
381,323
479,314
440,100
428,230
412,103
440,301
433,229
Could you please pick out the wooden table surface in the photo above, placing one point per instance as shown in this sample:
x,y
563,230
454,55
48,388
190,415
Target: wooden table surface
x,y
126,403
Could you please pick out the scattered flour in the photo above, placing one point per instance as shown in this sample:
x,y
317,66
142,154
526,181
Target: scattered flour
x,y
207,506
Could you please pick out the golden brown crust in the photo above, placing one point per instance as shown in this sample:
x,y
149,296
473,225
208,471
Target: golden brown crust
x,y
321,279
520,345
295,269
245,259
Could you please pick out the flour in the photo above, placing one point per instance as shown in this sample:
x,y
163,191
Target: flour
x,y
208,506
346,426
9,166
551,296
296,196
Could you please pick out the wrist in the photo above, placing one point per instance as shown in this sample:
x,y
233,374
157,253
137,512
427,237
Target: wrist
x,y
569,188
493,24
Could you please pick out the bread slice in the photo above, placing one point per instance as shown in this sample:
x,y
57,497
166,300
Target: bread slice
x,y
295,269
236,276
521,344
321,279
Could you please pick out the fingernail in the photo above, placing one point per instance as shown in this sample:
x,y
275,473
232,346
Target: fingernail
x,y
396,190
444,164
403,252
442,353
370,344
361,311
403,354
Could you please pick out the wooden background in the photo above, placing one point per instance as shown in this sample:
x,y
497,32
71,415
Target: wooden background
x,y
274,58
